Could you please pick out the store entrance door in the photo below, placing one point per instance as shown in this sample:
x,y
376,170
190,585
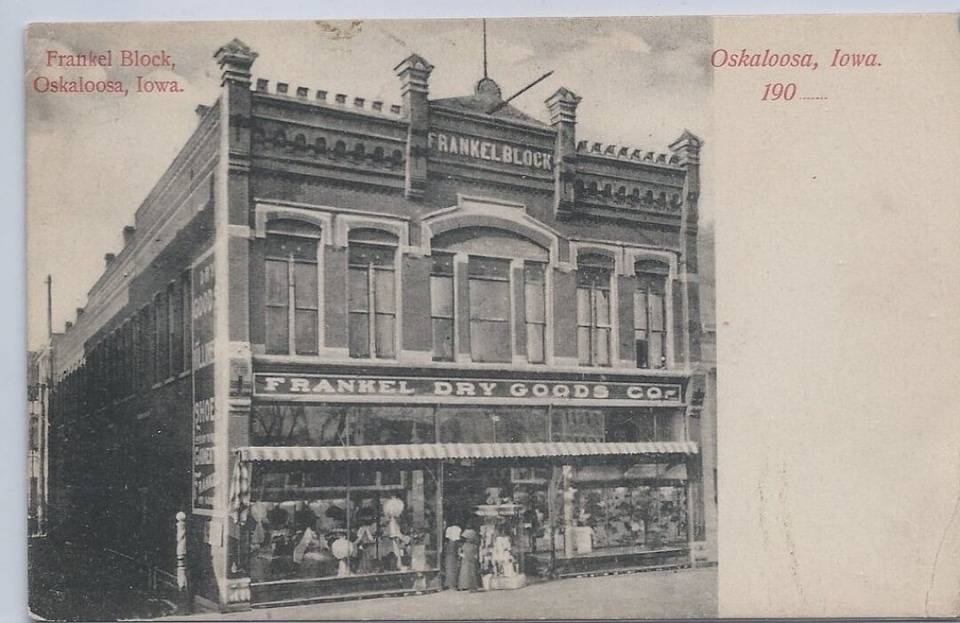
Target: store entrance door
x,y
491,515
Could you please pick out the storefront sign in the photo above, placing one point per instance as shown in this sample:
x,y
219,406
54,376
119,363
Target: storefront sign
x,y
414,389
204,409
494,151
204,284
204,427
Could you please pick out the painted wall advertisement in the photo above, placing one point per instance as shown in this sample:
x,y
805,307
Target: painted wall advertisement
x,y
204,409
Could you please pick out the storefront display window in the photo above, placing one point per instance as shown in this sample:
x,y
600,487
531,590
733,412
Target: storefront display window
x,y
325,519
611,509
329,519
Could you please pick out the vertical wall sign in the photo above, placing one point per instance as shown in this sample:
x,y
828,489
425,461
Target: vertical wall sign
x,y
204,409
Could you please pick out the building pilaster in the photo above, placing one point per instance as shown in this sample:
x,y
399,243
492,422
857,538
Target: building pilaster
x,y
233,367
414,74
562,106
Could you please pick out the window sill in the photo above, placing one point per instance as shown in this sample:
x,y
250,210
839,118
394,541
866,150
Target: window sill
x,y
527,368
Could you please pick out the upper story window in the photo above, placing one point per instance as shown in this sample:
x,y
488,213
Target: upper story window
x,y
441,306
535,310
186,309
174,328
650,312
161,351
594,321
489,292
292,289
372,294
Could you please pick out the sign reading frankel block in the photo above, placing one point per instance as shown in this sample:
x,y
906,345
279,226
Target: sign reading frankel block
x,y
348,388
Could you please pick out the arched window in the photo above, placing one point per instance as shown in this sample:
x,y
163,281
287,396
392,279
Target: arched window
x,y
594,316
372,293
292,291
650,314
504,299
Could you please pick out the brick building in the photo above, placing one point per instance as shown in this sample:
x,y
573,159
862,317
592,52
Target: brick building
x,y
339,328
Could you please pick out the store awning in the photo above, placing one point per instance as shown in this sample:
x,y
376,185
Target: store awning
x,y
413,452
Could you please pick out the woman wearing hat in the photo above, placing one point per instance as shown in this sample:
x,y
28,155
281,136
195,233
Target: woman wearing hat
x,y
469,561
451,557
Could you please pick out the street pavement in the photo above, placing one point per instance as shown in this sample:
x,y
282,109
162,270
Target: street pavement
x,y
683,593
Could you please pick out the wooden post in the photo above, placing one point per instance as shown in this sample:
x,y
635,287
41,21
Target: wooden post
x,y
182,595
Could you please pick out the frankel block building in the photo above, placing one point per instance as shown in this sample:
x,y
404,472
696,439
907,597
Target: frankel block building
x,y
374,349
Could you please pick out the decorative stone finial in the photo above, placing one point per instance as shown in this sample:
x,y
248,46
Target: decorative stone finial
x,y
235,60
414,73
687,148
563,106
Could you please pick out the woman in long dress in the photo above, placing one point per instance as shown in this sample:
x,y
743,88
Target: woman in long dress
x,y
469,562
366,543
451,557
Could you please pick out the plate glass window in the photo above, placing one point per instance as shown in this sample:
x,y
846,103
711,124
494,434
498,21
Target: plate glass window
x,y
441,306
292,295
535,310
594,324
489,292
372,300
649,308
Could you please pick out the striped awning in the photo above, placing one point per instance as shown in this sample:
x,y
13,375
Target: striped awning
x,y
463,451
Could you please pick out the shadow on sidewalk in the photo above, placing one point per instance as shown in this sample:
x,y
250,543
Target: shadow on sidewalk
x,y
70,583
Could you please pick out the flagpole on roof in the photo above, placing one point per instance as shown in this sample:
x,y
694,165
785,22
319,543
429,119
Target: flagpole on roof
x,y
484,48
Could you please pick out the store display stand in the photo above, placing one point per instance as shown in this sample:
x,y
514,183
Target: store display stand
x,y
501,560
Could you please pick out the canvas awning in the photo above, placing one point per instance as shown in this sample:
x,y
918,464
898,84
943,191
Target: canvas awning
x,y
413,452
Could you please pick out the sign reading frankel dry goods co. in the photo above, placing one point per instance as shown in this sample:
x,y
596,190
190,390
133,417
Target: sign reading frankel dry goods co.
x,y
349,388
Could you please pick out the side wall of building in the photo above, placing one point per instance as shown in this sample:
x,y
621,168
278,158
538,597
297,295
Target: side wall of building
x,y
121,417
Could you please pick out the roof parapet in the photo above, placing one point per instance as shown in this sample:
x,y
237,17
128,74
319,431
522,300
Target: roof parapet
x,y
627,153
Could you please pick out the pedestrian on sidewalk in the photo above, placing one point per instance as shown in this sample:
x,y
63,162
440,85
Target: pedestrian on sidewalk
x,y
451,557
469,561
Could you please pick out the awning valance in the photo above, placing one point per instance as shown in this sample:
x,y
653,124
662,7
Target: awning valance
x,y
463,451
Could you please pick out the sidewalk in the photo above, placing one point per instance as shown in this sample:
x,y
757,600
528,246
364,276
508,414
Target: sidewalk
x,y
685,593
